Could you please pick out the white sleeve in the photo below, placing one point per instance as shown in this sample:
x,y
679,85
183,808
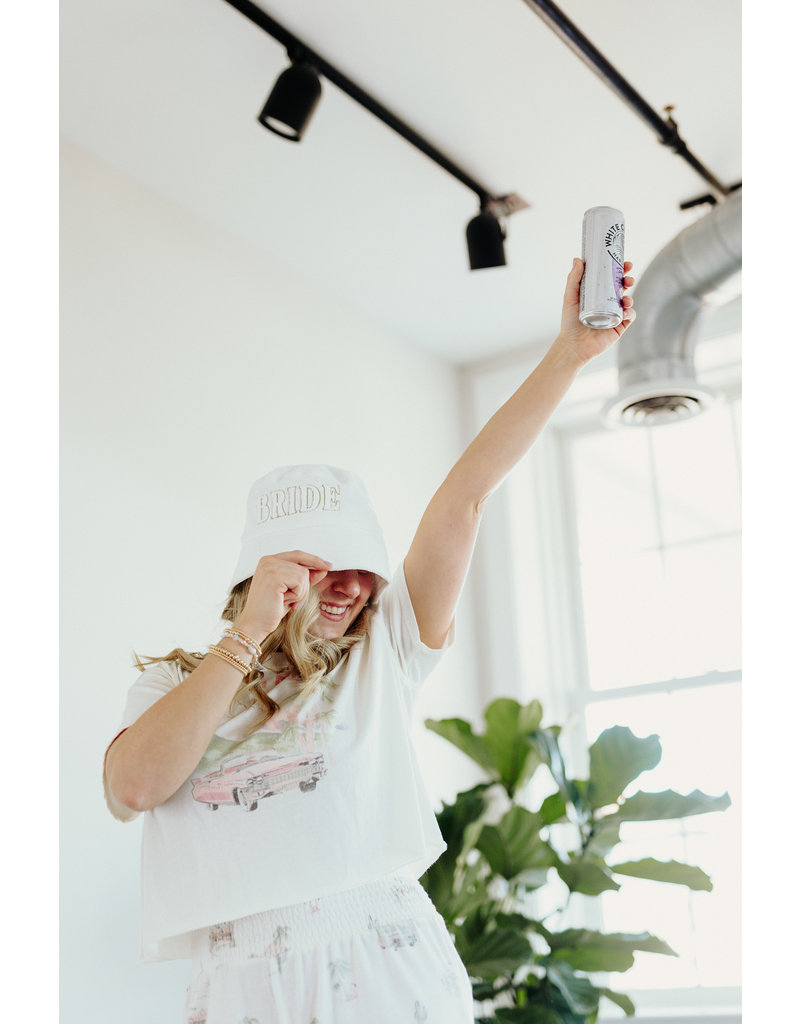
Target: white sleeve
x,y
151,686
396,612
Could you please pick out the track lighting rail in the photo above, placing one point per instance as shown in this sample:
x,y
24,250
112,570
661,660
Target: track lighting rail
x,y
667,130
298,50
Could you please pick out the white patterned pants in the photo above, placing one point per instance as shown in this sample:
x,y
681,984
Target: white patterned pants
x,y
378,954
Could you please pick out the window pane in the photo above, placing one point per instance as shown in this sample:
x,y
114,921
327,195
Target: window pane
x,y
703,606
613,493
651,617
658,519
626,615
700,738
697,477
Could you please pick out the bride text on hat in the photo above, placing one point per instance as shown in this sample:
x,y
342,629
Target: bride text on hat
x,y
294,500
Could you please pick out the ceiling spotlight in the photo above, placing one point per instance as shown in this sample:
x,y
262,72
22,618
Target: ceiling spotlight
x,y
485,239
292,101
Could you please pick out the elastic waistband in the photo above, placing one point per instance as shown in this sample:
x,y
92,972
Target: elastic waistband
x,y
388,907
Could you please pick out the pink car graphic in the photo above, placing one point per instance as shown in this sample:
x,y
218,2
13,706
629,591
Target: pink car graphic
x,y
246,780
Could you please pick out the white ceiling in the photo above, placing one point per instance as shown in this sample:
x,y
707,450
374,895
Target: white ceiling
x,y
168,91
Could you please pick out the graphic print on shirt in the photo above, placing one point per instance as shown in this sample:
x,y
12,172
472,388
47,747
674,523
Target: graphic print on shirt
x,y
281,756
248,778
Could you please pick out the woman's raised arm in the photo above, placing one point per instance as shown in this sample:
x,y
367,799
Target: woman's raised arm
x,y
437,562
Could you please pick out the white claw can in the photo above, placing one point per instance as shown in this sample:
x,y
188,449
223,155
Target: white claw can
x,y
603,254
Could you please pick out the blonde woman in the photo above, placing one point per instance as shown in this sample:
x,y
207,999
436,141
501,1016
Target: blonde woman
x,y
286,823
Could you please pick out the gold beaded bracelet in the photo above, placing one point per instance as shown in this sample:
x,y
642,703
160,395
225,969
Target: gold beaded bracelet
x,y
231,658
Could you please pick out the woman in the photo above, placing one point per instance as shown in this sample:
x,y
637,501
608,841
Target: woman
x,y
287,823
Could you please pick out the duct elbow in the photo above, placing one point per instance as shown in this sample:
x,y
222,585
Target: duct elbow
x,y
655,358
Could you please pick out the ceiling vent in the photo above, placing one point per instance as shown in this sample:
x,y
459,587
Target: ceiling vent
x,y
700,267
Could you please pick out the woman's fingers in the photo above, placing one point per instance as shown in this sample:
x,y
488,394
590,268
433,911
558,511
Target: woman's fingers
x,y
305,559
312,569
280,583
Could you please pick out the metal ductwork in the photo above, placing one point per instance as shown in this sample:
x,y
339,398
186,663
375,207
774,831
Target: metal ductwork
x,y
701,266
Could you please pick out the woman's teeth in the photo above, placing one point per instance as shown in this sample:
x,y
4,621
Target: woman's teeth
x,y
335,610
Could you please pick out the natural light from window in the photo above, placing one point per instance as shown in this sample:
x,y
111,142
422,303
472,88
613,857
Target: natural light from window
x,y
657,553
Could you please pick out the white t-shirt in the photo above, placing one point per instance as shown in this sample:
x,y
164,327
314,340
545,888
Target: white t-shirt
x,y
326,796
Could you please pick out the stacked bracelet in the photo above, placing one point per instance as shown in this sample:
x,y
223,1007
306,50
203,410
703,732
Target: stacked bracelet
x,y
245,640
231,658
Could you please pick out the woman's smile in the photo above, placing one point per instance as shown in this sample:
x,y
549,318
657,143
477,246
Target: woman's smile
x,y
342,595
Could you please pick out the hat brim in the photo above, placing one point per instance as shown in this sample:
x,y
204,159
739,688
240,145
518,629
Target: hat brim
x,y
346,549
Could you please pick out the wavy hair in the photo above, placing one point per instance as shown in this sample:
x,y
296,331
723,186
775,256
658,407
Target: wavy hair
x,y
310,657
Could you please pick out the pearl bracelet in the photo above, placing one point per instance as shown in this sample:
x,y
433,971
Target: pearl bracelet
x,y
244,640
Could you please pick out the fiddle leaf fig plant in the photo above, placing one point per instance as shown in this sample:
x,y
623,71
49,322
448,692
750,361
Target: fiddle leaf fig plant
x,y
501,849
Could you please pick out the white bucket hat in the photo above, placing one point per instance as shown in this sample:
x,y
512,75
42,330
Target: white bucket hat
x,y
319,509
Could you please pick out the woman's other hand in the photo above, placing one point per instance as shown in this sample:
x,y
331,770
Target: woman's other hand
x,y
588,342
280,583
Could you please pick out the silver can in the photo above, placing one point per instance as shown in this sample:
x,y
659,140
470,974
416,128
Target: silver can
x,y
603,254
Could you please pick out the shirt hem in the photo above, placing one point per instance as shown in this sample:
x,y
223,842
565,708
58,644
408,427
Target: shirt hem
x,y
178,946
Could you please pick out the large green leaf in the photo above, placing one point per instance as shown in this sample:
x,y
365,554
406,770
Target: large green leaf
x,y
624,1002
454,886
550,996
579,993
514,844
553,809
603,838
507,738
530,1014
665,871
479,921
667,804
469,892
456,822
586,876
616,758
517,922
482,991
495,953
460,734
505,750
546,742
456,818
587,950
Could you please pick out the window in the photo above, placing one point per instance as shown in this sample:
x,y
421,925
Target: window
x,y
656,530
657,525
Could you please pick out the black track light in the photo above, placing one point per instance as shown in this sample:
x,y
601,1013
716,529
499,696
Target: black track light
x,y
292,101
296,94
485,239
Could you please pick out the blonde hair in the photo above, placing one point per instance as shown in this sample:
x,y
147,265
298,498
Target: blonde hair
x,y
310,657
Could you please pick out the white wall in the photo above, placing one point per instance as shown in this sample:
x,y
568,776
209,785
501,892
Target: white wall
x,y
190,364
